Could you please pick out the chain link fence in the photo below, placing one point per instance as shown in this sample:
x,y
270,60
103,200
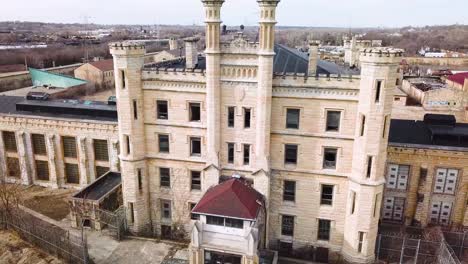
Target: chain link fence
x,y
67,246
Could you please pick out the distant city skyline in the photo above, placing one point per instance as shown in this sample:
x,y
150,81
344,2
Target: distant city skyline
x,y
314,13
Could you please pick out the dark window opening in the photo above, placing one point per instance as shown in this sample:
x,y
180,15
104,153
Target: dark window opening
x,y
163,143
234,223
363,125
333,121
42,170
230,153
231,116
327,195
292,118
247,115
378,91
72,174
369,166
195,146
353,202
214,220
101,171
196,180
122,73
140,179
194,112
166,209
162,110
13,167
361,241
132,213
127,144
39,145
9,141
69,147
165,177
289,191
324,229
287,225
135,110
422,174
329,158
290,156
101,151
246,154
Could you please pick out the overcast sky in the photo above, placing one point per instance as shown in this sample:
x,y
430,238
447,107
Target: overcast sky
x,y
320,13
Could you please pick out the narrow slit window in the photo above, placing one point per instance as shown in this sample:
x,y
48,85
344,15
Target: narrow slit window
x,y
353,202
231,116
378,91
369,166
247,115
135,110
246,154
140,179
127,144
231,153
122,73
384,130
363,125
361,241
132,214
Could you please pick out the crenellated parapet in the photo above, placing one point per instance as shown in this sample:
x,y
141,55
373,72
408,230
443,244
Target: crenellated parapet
x,y
325,80
174,74
127,48
381,55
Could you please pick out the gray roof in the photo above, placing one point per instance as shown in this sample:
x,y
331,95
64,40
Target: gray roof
x,y
101,187
289,60
69,109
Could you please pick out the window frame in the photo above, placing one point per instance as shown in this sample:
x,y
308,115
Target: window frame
x,y
191,105
39,145
289,230
289,123
324,234
287,159
195,186
164,183
246,153
192,141
231,152
231,121
160,138
328,150
289,195
159,114
326,200
247,117
327,112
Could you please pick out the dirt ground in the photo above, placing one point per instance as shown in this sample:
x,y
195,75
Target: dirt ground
x,y
13,250
99,96
50,202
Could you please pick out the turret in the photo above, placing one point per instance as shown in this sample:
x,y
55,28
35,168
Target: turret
x,y
213,92
265,81
128,64
378,76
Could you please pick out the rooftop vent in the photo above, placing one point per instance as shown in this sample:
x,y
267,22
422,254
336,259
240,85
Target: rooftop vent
x,y
441,120
37,96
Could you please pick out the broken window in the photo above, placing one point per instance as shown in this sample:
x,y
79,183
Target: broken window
x,y
194,112
329,158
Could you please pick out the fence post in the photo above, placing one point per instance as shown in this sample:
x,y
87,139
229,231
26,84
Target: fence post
x,y
402,250
378,247
417,252
462,246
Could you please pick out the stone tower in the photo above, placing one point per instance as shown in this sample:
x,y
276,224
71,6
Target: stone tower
x,y
265,81
378,77
313,57
213,89
128,64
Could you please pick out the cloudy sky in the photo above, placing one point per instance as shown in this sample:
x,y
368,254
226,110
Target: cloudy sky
x,y
330,13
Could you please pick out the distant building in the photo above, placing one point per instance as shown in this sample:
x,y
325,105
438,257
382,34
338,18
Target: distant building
x,y
100,73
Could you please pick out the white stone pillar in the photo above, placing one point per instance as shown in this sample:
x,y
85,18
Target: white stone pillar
x,y
52,157
114,156
213,86
3,167
22,139
83,160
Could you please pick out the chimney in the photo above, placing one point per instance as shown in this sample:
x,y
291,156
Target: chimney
x,y
191,52
173,45
313,57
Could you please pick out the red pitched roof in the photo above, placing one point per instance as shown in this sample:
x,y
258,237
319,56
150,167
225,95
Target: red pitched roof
x,y
232,198
459,78
103,65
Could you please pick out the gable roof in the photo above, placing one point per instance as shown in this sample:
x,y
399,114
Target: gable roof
x,y
104,65
232,198
459,77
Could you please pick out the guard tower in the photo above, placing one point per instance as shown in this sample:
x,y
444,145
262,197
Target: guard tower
x,y
378,78
128,64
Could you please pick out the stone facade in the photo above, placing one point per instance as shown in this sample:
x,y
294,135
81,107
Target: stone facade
x,y
239,84
418,192
53,131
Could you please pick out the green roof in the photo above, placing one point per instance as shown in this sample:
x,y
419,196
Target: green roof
x,y
40,78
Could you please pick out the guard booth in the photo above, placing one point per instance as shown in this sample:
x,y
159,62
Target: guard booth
x,y
231,226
